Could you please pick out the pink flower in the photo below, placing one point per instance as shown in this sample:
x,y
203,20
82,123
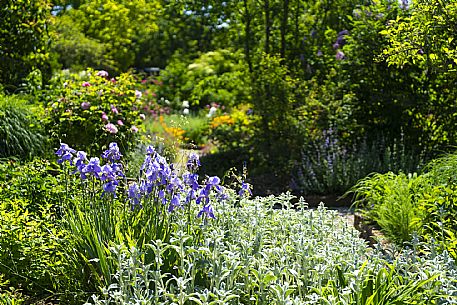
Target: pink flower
x,y
134,129
102,73
142,116
104,117
144,81
86,84
120,123
85,105
114,109
111,128
113,80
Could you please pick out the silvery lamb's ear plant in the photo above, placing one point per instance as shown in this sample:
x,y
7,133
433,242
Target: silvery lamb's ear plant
x,y
255,254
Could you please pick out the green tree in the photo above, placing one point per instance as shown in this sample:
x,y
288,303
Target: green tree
x,y
23,40
109,33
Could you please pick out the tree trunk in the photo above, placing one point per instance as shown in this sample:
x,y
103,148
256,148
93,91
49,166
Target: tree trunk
x,y
285,17
247,32
267,26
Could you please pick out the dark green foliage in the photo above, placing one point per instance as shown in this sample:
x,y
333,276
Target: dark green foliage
x,y
21,135
277,140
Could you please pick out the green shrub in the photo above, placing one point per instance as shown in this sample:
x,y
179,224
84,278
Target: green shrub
x,y
90,113
21,135
31,245
438,200
37,181
215,77
390,201
425,203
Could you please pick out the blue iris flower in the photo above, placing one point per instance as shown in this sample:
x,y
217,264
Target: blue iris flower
x,y
110,187
193,163
113,153
65,153
134,195
207,211
245,189
93,167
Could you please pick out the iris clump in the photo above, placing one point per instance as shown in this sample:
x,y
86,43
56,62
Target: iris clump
x,y
157,183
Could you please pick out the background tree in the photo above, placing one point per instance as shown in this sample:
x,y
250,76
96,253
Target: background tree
x,y
23,40
109,34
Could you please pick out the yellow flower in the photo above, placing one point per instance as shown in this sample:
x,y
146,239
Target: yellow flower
x,y
222,120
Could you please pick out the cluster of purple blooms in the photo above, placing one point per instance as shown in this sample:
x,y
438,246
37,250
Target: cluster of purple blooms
x,y
158,179
109,173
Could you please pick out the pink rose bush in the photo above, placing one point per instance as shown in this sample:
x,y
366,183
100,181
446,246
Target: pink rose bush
x,y
96,111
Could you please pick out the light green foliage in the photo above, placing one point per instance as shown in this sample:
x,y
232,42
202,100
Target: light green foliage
x,y
425,37
425,203
218,76
38,182
23,40
114,29
390,200
21,135
30,247
439,202
75,108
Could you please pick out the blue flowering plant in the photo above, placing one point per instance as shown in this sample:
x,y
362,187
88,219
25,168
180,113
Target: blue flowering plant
x,y
144,207
112,208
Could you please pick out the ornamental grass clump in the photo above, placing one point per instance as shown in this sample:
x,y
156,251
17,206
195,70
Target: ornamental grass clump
x,y
109,208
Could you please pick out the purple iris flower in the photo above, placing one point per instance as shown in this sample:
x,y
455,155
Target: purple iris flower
x,y
174,203
110,187
207,211
65,153
245,189
79,162
93,167
107,173
192,194
134,195
175,184
162,196
113,153
191,180
193,163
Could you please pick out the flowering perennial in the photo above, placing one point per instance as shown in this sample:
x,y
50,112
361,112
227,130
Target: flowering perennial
x,y
158,182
